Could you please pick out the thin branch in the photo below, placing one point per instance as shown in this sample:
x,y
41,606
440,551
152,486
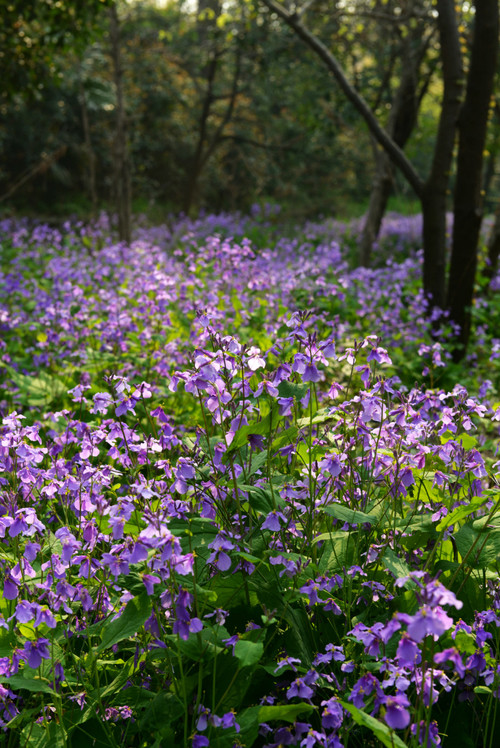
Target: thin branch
x,y
40,168
394,152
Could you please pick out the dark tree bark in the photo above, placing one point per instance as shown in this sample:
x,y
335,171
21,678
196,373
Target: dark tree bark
x,y
380,134
401,124
493,248
90,157
206,145
468,200
121,178
434,197
380,192
433,192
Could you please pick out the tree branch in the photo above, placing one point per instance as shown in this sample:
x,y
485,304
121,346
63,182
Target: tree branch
x,y
393,151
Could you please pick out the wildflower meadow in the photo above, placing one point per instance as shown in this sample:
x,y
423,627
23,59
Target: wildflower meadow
x,y
246,497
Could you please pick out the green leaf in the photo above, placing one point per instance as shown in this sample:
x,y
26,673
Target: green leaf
x,y
284,712
339,550
16,682
479,547
257,462
40,736
321,416
248,653
397,567
39,390
248,721
136,612
265,427
382,732
285,437
462,511
165,709
351,516
290,389
260,499
467,440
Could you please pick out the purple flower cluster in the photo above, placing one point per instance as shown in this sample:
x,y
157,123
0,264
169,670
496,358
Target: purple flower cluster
x,y
207,485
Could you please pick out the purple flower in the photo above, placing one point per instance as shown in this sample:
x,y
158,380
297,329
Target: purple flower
x,y
255,360
200,741
35,652
427,621
451,655
333,714
25,611
311,373
285,405
10,587
364,687
313,738
408,652
44,615
427,738
299,688
396,714
102,401
218,557
272,521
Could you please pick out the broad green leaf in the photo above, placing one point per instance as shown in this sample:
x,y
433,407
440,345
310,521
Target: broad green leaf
x,y
40,736
290,389
397,566
203,647
339,551
39,390
321,416
461,512
248,721
260,499
248,653
479,548
285,712
467,440
34,685
265,427
382,732
351,516
257,462
136,612
285,437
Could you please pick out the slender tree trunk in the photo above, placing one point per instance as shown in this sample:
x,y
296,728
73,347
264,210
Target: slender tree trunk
x,y
468,200
379,196
493,248
434,197
206,146
122,179
196,165
401,124
90,161
433,193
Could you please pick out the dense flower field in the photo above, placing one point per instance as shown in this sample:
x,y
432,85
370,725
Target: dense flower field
x,y
245,498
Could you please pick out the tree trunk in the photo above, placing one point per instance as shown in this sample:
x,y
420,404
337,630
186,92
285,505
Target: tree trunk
x,y
196,164
379,197
401,124
122,180
89,152
434,198
468,200
493,248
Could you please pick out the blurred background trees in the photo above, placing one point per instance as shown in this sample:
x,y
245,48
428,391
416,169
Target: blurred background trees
x,y
218,105
222,110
